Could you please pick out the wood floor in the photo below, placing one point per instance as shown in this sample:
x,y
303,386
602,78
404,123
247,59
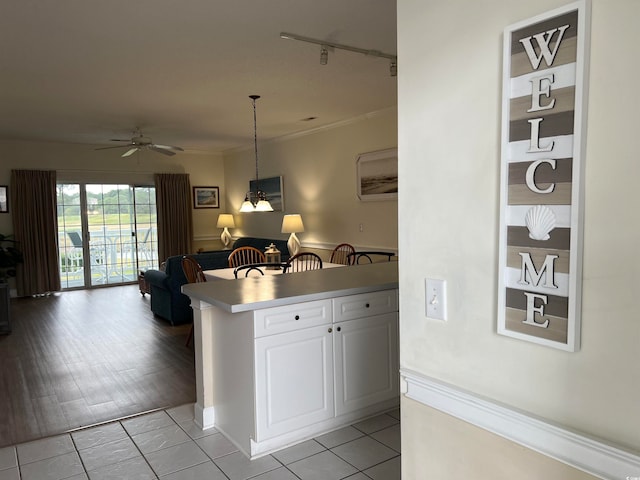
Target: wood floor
x,y
87,356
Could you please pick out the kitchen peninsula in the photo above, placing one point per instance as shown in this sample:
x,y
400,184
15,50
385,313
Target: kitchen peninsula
x,y
281,359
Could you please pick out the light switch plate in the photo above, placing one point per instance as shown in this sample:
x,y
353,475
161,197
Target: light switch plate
x,y
436,298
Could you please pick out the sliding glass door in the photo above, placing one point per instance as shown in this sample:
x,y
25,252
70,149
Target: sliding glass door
x,y
106,233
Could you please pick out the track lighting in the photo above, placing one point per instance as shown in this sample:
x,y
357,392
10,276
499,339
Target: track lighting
x,y
324,55
324,50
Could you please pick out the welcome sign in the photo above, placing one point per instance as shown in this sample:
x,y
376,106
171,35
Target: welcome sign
x,y
543,124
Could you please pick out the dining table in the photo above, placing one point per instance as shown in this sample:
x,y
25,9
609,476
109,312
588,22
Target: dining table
x,y
228,273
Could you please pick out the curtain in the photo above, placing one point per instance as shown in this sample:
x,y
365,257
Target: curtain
x,y
173,203
35,226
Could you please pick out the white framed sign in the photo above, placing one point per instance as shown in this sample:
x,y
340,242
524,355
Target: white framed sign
x,y
541,198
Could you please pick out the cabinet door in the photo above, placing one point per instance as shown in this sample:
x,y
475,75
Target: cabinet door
x,y
366,362
294,380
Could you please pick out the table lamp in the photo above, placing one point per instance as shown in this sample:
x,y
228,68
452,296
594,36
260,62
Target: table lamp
x,y
225,221
292,224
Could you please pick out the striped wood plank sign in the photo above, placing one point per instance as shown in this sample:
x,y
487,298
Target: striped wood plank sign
x,y
543,120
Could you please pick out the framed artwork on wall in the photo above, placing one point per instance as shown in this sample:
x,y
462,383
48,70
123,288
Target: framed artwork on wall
x,y
272,187
4,199
206,197
377,174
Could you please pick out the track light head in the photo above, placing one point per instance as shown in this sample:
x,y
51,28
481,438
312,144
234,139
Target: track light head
x,y
325,46
324,55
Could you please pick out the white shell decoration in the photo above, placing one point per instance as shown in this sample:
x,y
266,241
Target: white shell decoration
x,y
540,220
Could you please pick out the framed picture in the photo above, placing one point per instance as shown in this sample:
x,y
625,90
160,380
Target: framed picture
x,y
4,199
206,197
378,175
272,187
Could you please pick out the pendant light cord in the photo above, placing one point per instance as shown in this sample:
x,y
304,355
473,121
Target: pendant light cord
x,y
255,142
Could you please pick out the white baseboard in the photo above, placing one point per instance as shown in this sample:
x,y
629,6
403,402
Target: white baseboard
x,y
577,450
204,417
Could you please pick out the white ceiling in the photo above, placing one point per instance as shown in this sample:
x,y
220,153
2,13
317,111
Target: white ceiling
x,y
87,71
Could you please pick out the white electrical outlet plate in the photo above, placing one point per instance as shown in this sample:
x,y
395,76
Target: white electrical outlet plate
x,y
436,298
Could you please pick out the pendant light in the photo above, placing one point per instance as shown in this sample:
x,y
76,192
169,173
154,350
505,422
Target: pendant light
x,y
256,201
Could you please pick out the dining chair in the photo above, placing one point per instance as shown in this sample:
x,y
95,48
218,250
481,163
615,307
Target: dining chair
x,y
302,262
341,253
247,269
145,245
193,272
244,255
74,256
356,257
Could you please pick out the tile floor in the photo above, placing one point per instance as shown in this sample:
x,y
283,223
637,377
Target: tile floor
x,y
168,445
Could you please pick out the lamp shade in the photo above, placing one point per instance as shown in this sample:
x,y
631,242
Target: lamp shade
x,y
225,220
292,223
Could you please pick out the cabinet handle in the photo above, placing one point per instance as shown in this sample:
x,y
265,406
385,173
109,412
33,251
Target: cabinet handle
x,y
330,330
339,329
297,317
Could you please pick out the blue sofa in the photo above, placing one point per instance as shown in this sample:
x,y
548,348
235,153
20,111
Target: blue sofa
x,y
167,299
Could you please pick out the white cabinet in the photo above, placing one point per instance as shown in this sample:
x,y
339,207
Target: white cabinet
x,y
281,375
366,350
366,362
318,360
270,321
294,380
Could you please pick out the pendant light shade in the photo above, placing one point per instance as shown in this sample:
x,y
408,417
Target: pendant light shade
x,y
255,201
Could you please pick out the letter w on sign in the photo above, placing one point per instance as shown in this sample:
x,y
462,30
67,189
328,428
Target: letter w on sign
x,y
543,40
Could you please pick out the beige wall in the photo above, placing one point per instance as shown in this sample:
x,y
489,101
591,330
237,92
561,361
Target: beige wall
x,y
319,175
318,169
449,148
451,448
76,162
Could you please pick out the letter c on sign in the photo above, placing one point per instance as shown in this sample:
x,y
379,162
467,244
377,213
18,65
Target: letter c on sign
x,y
531,171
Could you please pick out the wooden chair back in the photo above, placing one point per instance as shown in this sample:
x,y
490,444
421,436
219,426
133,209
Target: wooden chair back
x,y
302,262
341,253
245,255
192,270
366,257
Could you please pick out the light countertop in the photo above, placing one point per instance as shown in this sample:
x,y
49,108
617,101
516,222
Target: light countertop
x,y
254,293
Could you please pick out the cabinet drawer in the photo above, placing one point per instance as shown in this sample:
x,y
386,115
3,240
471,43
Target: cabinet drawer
x,y
364,305
274,320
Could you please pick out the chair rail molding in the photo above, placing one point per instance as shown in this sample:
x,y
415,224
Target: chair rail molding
x,y
572,448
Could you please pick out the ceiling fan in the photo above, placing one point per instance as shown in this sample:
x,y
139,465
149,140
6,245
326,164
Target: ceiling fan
x,y
140,142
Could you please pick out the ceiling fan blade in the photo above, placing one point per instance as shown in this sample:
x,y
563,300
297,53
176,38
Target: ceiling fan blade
x,y
114,146
120,140
159,149
130,151
168,147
